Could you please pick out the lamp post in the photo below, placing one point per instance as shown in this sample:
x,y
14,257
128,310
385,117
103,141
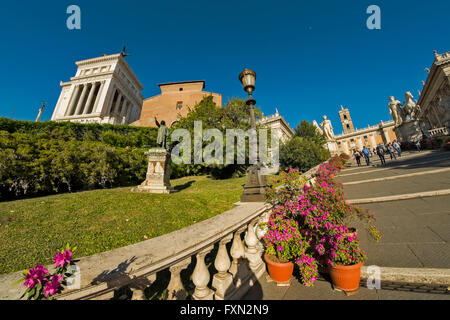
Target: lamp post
x,y
255,188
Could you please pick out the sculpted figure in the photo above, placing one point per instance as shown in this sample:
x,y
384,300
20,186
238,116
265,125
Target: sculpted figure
x,y
411,108
163,133
315,124
396,111
327,128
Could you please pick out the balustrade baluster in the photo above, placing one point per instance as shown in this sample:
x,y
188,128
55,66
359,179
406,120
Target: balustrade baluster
x,y
252,253
223,280
201,277
176,290
139,285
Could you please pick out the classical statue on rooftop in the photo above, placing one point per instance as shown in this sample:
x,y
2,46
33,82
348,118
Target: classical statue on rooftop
x,y
327,129
411,108
396,111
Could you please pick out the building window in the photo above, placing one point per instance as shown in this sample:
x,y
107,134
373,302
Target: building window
x,y
179,105
345,117
181,89
348,126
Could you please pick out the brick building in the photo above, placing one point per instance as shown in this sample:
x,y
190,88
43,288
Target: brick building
x,y
175,100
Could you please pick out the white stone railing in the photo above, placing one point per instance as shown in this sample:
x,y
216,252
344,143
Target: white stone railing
x,y
438,131
238,268
140,262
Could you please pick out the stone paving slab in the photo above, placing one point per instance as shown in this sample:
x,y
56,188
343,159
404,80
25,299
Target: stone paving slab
x,y
377,173
412,229
323,290
432,255
431,182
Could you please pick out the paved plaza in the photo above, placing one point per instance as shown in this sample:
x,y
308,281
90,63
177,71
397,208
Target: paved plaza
x,y
416,231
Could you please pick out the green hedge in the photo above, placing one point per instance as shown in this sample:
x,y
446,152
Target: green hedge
x,y
52,157
113,135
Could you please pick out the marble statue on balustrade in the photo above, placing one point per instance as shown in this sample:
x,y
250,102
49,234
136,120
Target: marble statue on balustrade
x,y
395,109
327,129
411,109
157,179
407,127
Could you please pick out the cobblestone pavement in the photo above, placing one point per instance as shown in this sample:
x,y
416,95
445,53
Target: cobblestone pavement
x,y
416,232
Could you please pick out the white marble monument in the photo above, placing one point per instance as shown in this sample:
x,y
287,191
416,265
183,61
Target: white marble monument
x,y
407,127
103,90
326,129
157,179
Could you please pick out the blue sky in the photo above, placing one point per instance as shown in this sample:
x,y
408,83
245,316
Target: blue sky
x,y
310,57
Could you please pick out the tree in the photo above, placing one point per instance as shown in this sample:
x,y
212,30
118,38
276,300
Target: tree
x,y
302,153
234,115
308,131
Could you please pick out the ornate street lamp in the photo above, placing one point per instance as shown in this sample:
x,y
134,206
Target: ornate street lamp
x,y
255,188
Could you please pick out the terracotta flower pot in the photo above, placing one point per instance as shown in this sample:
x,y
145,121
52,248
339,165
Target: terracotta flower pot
x,y
279,272
346,278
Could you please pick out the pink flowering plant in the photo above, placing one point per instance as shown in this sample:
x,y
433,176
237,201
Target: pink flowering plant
x,y
315,216
41,284
346,251
285,187
283,240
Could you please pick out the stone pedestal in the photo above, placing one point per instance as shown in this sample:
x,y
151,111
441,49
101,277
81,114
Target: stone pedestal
x,y
409,130
332,147
158,173
255,188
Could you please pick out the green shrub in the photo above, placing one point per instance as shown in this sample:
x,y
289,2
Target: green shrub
x,y
50,157
302,154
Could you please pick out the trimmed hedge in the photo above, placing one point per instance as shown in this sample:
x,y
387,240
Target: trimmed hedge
x,y
53,157
113,135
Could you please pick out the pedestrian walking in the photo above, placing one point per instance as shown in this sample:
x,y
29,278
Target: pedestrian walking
x,y
365,153
418,145
391,151
357,156
397,147
380,153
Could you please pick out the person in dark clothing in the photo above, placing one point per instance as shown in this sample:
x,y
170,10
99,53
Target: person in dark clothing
x,y
380,153
365,153
391,151
357,156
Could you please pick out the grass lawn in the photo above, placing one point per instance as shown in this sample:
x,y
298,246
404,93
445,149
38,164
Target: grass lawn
x,y
31,230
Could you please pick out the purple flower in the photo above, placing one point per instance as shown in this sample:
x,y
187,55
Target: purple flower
x,y
53,286
61,259
35,276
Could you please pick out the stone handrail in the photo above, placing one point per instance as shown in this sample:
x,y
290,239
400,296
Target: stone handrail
x,y
436,131
136,265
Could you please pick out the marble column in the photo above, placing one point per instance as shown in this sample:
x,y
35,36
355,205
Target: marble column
x,y
386,136
116,107
123,113
97,97
374,143
360,143
73,101
81,100
90,97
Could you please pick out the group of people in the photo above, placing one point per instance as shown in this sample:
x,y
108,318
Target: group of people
x,y
393,149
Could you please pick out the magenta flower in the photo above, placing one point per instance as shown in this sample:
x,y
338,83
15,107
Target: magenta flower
x,y
35,276
61,259
53,286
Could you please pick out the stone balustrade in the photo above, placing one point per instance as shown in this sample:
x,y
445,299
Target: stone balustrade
x,y
439,132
